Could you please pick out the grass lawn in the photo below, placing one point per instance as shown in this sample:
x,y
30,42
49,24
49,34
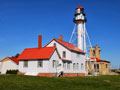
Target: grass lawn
x,y
19,82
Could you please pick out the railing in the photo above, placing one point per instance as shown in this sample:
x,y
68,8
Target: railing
x,y
80,19
59,69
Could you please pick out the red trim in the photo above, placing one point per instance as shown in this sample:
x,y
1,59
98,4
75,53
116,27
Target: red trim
x,y
14,59
48,43
46,74
52,74
98,60
58,53
21,73
73,74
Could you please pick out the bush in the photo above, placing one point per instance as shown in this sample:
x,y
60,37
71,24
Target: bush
x,y
12,72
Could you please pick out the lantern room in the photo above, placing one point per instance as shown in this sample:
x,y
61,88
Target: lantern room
x,y
79,15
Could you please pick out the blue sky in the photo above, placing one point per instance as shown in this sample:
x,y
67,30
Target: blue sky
x,y
21,21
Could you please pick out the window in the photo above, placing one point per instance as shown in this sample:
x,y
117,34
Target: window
x,y
64,54
93,52
96,67
25,63
77,66
54,44
64,65
106,66
54,64
40,63
81,66
78,55
68,66
73,66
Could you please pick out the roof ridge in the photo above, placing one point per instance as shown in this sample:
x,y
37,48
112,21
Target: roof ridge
x,y
41,47
11,57
65,41
37,53
14,59
71,46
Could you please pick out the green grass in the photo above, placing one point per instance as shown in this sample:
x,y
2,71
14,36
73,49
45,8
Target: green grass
x,y
19,82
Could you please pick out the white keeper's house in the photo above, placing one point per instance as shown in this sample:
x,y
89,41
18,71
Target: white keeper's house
x,y
57,58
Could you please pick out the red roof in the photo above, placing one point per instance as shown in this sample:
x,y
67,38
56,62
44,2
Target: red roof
x,y
99,60
69,46
36,53
79,6
14,59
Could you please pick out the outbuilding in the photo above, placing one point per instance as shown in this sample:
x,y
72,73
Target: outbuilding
x,y
8,63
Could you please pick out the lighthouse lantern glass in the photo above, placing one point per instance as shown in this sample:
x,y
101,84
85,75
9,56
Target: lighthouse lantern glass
x,y
78,10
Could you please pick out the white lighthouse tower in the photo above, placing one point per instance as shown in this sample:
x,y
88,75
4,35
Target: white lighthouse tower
x,y
80,37
80,21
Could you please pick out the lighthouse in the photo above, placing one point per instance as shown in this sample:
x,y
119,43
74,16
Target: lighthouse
x,y
80,21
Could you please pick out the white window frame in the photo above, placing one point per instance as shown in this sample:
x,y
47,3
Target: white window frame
x,y
96,67
68,66
77,66
64,65
54,45
54,63
106,65
73,66
82,66
25,63
40,63
64,54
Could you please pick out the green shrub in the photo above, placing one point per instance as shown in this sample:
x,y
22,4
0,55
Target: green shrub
x,y
12,72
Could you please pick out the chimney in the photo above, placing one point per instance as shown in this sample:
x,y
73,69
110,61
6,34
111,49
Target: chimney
x,y
61,37
39,41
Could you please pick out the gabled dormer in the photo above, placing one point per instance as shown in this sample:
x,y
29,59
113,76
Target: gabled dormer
x,y
64,48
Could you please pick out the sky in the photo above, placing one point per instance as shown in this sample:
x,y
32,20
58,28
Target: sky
x,y
21,21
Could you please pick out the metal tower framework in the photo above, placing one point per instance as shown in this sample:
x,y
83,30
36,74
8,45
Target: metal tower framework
x,y
86,46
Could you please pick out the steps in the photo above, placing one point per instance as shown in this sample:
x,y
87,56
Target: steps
x,y
31,73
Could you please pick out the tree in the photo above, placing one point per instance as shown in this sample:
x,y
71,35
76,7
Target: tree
x,y
17,55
